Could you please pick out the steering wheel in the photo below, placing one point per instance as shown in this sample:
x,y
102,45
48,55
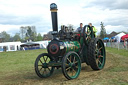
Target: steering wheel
x,y
87,34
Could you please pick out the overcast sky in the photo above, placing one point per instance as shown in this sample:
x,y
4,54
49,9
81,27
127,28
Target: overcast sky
x,y
17,13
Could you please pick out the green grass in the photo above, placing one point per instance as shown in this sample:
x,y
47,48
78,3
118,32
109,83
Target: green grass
x,y
17,68
122,52
17,64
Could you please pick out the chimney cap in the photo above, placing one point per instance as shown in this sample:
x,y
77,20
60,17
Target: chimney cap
x,y
53,6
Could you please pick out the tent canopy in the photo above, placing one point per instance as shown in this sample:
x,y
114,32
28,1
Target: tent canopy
x,y
124,37
106,38
113,37
29,44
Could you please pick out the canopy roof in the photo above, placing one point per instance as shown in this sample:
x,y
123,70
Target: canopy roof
x,y
29,44
106,38
124,37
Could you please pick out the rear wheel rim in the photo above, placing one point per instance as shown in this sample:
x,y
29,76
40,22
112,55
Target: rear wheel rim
x,y
100,54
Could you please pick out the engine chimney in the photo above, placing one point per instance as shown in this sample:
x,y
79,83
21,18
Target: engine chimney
x,y
53,9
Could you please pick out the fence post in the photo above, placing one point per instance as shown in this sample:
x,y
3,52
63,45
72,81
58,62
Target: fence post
x,y
118,45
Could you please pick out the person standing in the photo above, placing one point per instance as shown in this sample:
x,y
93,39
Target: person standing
x,y
93,28
125,43
80,29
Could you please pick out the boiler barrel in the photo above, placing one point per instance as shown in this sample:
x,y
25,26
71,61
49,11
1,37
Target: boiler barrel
x,y
72,46
59,48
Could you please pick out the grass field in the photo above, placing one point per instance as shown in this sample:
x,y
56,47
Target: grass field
x,y
122,52
18,68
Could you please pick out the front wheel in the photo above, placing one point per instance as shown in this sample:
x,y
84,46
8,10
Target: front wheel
x,y
71,65
41,65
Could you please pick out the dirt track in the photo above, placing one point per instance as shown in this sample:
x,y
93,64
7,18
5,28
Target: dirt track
x,y
115,72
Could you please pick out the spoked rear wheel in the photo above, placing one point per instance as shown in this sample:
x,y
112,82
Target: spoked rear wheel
x,y
41,66
71,65
96,54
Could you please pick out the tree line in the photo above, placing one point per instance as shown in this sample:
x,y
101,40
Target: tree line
x,y
26,33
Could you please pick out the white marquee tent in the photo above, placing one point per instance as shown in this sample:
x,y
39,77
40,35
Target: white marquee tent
x,y
10,46
118,36
14,46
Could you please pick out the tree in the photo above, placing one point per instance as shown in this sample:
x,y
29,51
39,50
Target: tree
x,y
103,31
28,33
22,32
5,36
31,33
39,37
16,37
70,27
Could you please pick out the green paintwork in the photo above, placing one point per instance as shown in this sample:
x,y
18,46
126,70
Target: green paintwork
x,y
81,41
72,46
54,64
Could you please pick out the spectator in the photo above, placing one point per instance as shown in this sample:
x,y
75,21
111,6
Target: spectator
x,y
93,28
80,29
125,43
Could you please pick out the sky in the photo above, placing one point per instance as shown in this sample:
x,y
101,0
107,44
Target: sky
x,y
17,13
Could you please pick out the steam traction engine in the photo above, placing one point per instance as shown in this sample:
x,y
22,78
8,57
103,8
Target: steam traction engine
x,y
69,49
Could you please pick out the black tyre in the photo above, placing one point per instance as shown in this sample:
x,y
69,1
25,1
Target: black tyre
x,y
96,54
41,65
71,65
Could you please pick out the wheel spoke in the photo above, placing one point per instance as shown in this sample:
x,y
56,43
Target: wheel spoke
x,y
96,54
74,59
49,69
101,56
100,48
75,62
99,62
87,38
98,44
69,60
44,59
66,64
72,71
96,51
41,61
44,70
40,69
77,66
68,68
